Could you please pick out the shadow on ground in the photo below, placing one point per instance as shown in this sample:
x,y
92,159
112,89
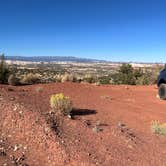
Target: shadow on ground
x,y
82,112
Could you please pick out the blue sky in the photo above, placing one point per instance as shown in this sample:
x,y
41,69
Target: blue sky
x,y
116,30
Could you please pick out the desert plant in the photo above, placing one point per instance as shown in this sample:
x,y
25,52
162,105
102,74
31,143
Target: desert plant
x,y
39,89
67,77
58,78
89,78
158,128
30,79
4,71
13,80
142,80
104,79
125,75
61,104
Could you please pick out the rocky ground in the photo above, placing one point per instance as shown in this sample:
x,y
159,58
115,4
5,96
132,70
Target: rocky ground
x,y
111,125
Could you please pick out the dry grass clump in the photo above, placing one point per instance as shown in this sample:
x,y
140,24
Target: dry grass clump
x,y
30,79
39,89
89,78
158,128
13,80
61,104
67,78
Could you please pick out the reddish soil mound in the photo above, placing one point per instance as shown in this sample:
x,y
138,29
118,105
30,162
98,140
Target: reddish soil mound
x,y
110,126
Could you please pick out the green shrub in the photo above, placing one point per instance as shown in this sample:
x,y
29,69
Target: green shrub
x,y
130,76
125,75
13,80
158,128
104,79
61,104
4,71
142,80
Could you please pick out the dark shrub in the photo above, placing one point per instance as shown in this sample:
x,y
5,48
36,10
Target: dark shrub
x,y
125,75
4,71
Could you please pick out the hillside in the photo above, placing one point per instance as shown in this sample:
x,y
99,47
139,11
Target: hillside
x,y
122,115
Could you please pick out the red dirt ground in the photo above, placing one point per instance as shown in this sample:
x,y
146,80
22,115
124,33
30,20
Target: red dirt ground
x,y
123,115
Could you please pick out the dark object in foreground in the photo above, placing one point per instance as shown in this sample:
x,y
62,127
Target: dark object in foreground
x,y
161,83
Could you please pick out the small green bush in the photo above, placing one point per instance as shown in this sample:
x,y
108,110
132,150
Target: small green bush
x,y
104,79
158,128
61,104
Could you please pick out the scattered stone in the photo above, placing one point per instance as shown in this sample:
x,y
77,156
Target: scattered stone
x,y
46,129
97,129
89,154
69,116
12,98
20,112
130,146
17,147
120,125
15,108
126,87
157,96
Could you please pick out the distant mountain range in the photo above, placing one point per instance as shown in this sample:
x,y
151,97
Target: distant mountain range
x,y
67,59
51,59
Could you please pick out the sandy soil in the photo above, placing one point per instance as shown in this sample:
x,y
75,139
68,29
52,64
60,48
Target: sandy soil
x,y
110,126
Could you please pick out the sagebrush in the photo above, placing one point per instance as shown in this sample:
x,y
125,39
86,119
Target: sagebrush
x,y
61,104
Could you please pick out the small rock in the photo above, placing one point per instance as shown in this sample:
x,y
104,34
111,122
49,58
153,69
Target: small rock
x,y
96,129
20,112
121,124
69,116
126,87
89,154
46,129
15,108
16,147
157,96
12,98
130,146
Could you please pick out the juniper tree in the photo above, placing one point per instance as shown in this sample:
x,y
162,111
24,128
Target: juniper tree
x,y
4,72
